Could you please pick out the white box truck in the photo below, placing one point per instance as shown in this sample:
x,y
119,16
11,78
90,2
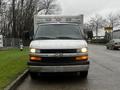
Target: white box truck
x,y
58,46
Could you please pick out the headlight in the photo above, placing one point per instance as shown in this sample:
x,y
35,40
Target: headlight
x,y
82,50
34,50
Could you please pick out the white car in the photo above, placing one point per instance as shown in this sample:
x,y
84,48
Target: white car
x,y
113,44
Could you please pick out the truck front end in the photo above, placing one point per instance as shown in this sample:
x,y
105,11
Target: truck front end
x,y
58,48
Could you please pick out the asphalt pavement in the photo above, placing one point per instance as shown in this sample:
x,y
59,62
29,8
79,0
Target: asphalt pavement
x,y
104,74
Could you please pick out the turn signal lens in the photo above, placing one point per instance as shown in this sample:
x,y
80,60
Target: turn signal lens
x,y
81,58
33,58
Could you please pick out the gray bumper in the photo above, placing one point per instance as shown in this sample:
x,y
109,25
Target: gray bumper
x,y
69,68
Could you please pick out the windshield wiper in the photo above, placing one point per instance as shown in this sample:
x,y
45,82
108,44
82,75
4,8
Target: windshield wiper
x,y
44,38
66,37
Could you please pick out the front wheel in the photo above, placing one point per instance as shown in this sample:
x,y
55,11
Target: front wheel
x,y
83,74
107,47
116,48
112,48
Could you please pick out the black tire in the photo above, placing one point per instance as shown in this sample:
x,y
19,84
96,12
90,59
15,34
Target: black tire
x,y
107,47
33,75
111,47
116,48
83,74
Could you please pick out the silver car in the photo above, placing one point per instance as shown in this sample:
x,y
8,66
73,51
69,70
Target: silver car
x,y
113,44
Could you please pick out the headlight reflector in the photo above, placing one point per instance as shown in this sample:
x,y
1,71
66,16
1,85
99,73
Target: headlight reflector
x,y
83,50
32,50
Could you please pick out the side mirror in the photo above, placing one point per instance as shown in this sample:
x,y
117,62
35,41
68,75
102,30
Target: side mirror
x,y
85,37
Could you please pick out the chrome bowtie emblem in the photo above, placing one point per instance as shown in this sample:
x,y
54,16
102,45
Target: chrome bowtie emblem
x,y
59,55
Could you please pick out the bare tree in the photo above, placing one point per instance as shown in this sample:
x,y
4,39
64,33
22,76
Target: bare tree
x,y
2,16
48,7
112,20
13,19
96,22
18,14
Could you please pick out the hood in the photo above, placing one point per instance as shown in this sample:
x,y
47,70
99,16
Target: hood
x,y
58,44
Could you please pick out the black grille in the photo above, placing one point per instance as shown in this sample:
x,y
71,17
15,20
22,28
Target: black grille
x,y
58,60
58,51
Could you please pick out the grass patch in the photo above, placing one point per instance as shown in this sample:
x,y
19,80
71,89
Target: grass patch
x,y
12,64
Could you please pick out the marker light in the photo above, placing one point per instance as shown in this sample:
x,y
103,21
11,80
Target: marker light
x,y
34,58
81,58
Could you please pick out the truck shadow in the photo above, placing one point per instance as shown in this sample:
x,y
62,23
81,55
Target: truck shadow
x,y
59,78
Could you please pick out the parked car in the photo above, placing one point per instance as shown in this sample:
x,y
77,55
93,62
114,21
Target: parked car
x,y
113,44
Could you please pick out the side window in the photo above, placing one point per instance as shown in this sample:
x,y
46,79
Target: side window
x,y
112,41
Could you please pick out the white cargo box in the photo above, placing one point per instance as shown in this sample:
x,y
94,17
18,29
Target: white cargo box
x,y
42,19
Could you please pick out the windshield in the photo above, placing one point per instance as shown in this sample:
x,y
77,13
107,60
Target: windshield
x,y
58,31
116,40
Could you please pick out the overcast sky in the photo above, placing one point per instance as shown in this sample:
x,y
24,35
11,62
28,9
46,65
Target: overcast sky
x,y
89,7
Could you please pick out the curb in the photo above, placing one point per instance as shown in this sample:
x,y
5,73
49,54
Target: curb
x,y
18,81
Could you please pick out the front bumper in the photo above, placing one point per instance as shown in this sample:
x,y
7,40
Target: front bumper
x,y
117,46
61,66
57,54
69,68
